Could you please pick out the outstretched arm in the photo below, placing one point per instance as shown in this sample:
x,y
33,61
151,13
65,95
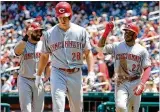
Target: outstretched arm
x,y
102,42
109,27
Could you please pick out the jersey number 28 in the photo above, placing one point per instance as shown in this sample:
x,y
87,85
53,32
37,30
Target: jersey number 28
x,y
76,56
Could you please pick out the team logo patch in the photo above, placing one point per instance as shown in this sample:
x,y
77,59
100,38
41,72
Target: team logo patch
x,y
61,10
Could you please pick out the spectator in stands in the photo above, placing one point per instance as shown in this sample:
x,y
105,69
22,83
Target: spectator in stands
x,y
11,84
110,65
39,19
152,45
84,85
158,89
26,12
105,84
47,87
102,65
155,54
94,41
157,81
149,32
14,82
3,80
151,87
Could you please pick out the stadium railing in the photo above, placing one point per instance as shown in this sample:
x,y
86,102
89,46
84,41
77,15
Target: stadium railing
x,y
110,106
5,107
91,100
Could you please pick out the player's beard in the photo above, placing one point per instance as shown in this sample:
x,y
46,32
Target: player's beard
x,y
129,40
35,38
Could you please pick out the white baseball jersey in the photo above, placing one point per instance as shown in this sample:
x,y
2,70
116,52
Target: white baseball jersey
x,y
66,48
137,56
29,59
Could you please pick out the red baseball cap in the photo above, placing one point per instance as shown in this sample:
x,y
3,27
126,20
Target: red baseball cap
x,y
132,27
35,26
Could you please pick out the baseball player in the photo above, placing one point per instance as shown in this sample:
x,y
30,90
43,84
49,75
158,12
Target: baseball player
x,y
31,96
132,67
66,42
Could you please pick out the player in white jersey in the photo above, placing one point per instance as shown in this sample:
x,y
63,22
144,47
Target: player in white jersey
x,y
132,67
66,42
31,96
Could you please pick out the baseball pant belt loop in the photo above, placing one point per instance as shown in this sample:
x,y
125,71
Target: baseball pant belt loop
x,y
132,78
70,71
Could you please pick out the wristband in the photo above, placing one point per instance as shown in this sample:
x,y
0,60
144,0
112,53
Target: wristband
x,y
109,27
25,38
105,34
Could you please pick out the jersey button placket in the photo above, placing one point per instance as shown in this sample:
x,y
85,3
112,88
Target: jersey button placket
x,y
65,48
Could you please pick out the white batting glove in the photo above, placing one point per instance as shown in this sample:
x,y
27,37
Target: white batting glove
x,y
91,79
38,80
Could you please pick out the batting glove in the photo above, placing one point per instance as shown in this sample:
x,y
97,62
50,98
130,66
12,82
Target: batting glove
x,y
91,79
138,90
109,27
38,80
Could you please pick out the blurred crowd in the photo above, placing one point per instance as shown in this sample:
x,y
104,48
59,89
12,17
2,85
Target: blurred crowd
x,y
15,16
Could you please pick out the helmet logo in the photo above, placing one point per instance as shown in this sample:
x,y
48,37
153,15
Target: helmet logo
x,y
61,11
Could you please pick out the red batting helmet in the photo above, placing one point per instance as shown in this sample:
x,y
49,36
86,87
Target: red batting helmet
x,y
63,9
132,27
34,26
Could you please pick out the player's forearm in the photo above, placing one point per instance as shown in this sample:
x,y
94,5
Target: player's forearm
x,y
19,48
42,63
90,61
48,70
146,75
102,42
109,27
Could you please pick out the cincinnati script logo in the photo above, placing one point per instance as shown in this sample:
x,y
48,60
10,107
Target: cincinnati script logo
x,y
61,10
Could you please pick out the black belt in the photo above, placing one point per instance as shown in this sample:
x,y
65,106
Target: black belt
x,y
29,78
70,70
